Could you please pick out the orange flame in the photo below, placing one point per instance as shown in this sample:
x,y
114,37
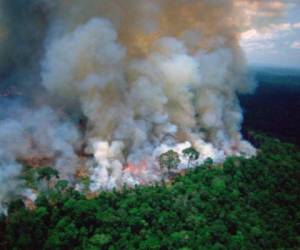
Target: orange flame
x,y
136,169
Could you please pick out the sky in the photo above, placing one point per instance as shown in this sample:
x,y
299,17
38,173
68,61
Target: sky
x,y
275,44
270,33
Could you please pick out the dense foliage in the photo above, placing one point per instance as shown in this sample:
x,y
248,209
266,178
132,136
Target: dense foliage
x,y
275,106
242,204
169,160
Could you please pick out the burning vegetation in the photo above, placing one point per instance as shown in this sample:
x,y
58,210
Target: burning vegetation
x,y
151,79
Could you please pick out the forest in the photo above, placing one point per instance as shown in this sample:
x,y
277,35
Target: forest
x,y
274,108
143,124
240,204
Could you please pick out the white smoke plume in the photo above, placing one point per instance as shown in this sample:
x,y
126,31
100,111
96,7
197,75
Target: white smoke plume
x,y
148,76
29,134
159,73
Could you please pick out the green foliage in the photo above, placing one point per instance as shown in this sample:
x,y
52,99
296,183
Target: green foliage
x,y
47,173
86,183
61,185
34,176
191,153
30,176
98,241
15,205
243,204
169,160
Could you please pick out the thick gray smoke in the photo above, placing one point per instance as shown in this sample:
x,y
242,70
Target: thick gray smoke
x,y
148,79
30,134
148,76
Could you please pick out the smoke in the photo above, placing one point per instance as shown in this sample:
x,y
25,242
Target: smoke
x,y
147,76
27,134
23,26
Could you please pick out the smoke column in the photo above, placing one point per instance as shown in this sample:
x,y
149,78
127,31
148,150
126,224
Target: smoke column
x,y
159,74
148,76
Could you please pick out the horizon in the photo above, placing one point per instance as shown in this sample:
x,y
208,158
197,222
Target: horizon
x,y
273,66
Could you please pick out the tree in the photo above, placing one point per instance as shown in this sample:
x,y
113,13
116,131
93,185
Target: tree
x,y
169,160
61,185
191,153
98,241
47,173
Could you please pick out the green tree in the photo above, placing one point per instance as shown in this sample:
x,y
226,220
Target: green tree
x,y
47,173
61,185
191,154
169,160
98,241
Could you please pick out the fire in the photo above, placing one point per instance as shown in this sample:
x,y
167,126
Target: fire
x,y
137,169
